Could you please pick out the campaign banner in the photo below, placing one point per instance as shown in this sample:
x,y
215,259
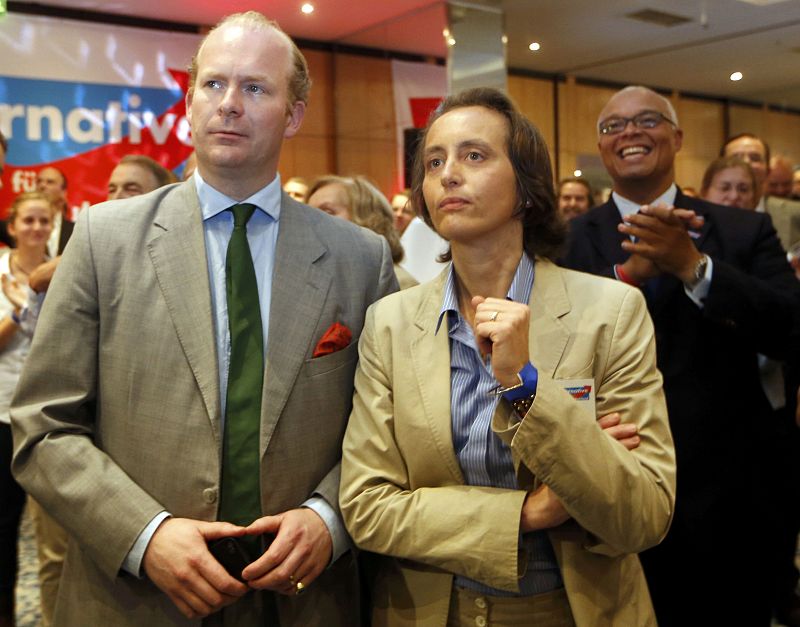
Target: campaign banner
x,y
79,96
418,89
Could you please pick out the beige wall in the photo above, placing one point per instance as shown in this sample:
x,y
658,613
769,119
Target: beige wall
x,y
349,126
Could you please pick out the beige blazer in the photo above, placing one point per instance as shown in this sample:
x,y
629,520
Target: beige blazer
x,y
117,415
402,491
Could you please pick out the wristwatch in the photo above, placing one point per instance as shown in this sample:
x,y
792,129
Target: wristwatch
x,y
699,272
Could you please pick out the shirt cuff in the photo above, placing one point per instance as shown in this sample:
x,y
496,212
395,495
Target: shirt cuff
x,y
133,560
530,381
700,291
339,538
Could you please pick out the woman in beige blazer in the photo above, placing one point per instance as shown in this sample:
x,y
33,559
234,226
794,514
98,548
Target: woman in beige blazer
x,y
474,464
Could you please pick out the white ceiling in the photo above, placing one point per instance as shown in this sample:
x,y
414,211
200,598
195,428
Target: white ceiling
x,y
590,39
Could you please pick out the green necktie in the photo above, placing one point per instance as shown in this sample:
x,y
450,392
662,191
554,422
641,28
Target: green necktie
x,y
240,502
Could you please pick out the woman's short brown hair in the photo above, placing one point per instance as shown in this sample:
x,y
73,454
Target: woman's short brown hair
x,y
543,231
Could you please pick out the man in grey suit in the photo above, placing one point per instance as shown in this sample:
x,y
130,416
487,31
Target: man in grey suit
x,y
120,421
785,213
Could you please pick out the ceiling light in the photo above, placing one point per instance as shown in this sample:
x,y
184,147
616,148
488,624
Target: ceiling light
x,y
307,8
736,76
451,41
504,39
534,46
577,173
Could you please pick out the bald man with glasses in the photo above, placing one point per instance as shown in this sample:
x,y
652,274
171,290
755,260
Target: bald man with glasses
x,y
720,291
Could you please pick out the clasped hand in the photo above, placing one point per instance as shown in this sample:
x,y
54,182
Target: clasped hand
x,y
178,561
663,243
501,330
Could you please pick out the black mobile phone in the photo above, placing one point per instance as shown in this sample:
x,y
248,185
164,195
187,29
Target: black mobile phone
x,y
234,555
231,554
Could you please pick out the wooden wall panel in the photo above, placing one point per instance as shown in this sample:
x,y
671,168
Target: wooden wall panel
x,y
578,108
365,120
534,98
349,124
312,151
780,130
702,122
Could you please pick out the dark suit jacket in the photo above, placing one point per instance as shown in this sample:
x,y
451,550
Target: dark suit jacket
x,y
708,355
66,232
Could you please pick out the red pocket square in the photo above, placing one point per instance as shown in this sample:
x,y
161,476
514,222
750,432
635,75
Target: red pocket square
x,y
335,339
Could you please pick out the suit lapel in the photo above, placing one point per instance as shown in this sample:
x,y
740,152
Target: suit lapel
x,y
300,285
430,355
178,254
548,336
603,224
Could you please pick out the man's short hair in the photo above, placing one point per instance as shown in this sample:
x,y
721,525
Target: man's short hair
x,y
671,113
163,176
580,181
733,138
299,80
542,227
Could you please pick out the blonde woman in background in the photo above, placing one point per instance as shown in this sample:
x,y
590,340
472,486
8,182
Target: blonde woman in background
x,y
357,200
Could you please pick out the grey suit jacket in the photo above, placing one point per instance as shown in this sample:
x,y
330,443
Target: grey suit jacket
x,y
785,216
120,418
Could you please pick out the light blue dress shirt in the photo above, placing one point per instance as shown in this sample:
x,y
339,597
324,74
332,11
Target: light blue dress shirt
x,y
262,237
485,460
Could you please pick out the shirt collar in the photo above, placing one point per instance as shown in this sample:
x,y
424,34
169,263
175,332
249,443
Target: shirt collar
x,y
628,207
212,201
519,291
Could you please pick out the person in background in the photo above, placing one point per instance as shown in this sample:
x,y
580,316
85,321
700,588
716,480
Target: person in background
x,y
30,223
297,188
402,210
785,213
133,175
796,185
473,462
357,200
720,291
53,182
136,175
730,181
574,197
779,179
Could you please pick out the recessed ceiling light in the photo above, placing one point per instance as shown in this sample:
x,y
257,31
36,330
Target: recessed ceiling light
x,y
534,46
504,39
577,173
451,41
736,76
307,8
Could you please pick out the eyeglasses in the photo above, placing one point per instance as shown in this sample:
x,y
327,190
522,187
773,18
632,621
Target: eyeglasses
x,y
643,120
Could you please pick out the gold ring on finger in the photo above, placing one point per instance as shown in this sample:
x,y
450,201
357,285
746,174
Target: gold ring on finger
x,y
299,588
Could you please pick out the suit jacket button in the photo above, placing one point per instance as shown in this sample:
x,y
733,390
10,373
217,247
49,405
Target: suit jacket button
x,y
210,495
